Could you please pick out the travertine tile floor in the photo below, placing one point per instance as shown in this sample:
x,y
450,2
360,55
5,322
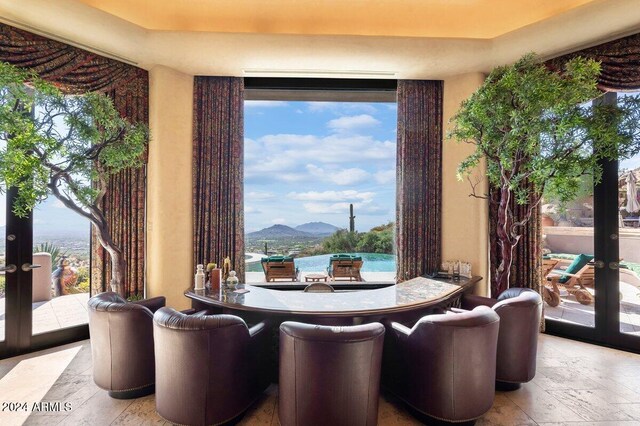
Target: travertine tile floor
x,y
576,384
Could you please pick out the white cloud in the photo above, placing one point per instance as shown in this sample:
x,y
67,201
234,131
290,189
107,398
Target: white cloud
x,y
385,176
259,196
58,205
364,208
323,208
264,104
333,196
290,158
252,210
371,209
342,177
279,221
282,150
352,122
341,107
349,176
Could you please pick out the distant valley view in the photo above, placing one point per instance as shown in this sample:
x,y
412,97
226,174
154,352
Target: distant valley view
x,y
315,238
71,243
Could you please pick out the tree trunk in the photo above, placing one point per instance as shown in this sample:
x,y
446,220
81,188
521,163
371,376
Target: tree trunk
x,y
118,262
506,243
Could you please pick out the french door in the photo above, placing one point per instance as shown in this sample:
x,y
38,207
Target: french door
x,y
34,314
600,302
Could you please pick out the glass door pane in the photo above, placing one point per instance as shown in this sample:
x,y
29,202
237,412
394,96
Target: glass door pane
x,y
629,240
568,248
61,282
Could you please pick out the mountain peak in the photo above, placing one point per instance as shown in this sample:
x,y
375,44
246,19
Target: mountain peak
x,y
317,228
278,230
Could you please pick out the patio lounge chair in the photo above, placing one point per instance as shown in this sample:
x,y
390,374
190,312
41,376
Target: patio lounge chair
x,y
574,279
345,266
279,268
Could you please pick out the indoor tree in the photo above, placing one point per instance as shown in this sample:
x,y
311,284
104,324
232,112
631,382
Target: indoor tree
x,y
65,146
538,132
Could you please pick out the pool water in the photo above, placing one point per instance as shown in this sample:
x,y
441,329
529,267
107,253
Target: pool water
x,y
372,262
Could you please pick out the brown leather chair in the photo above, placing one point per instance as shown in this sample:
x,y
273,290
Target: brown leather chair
x,y
122,344
209,368
329,375
319,288
444,367
520,311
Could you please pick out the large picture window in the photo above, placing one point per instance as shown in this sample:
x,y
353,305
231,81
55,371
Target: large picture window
x,y
310,166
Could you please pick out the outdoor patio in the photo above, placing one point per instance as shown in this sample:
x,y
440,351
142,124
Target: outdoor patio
x,y
571,311
57,313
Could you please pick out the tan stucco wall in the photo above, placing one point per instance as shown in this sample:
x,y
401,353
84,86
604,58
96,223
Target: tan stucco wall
x,y
464,218
169,199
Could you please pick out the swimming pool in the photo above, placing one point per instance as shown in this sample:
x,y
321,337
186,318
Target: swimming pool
x,y
372,262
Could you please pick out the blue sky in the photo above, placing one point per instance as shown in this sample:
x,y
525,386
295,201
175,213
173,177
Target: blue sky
x,y
307,161
51,217
304,162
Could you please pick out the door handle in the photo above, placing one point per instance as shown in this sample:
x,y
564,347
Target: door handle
x,y
28,266
614,265
599,264
8,268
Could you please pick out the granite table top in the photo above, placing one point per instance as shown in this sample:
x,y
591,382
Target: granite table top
x,y
413,294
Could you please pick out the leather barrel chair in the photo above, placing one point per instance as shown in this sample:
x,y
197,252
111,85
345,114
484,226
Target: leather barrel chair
x,y
444,366
520,311
209,368
122,344
329,375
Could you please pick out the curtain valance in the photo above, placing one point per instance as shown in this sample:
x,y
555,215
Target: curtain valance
x,y
620,63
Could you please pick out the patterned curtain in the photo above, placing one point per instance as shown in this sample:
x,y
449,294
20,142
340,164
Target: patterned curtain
x,y
218,161
619,59
78,71
527,258
419,178
126,196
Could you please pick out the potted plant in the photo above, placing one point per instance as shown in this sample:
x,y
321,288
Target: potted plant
x,y
538,135
65,146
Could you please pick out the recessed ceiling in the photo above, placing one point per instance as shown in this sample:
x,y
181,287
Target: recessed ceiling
x,y
481,19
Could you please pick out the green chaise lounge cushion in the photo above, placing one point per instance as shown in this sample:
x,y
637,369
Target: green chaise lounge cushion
x,y
275,259
344,256
578,263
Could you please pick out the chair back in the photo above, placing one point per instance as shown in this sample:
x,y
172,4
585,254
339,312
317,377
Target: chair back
x,y
342,364
201,367
548,265
520,311
445,367
345,266
319,288
587,274
279,267
121,343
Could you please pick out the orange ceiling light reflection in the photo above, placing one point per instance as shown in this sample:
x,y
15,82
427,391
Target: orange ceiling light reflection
x,y
483,19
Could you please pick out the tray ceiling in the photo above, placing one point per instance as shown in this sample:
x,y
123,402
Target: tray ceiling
x,y
482,19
